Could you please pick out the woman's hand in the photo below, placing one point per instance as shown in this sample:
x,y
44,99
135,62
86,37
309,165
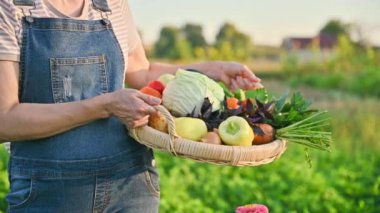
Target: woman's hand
x,y
234,75
132,107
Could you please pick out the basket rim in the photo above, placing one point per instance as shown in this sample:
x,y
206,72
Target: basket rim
x,y
200,151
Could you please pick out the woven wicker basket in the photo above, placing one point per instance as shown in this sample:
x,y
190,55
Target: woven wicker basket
x,y
203,152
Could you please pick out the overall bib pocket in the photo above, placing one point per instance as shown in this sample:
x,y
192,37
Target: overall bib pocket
x,y
80,78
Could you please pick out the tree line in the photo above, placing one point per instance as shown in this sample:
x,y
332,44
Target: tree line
x,y
188,42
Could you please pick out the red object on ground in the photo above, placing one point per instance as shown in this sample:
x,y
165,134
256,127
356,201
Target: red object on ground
x,y
157,85
252,208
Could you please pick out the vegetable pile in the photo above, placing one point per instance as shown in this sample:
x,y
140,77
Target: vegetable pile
x,y
207,111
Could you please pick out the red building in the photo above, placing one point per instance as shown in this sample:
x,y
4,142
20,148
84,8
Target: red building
x,y
323,41
303,48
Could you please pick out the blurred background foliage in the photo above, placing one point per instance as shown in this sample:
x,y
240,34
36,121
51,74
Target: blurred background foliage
x,y
342,76
339,70
188,43
4,184
352,66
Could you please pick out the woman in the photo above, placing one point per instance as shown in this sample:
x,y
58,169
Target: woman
x,y
63,106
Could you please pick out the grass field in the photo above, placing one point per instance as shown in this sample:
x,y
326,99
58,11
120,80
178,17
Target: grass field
x,y
345,180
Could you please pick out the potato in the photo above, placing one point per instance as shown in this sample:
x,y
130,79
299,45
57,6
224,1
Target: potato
x,y
158,122
212,138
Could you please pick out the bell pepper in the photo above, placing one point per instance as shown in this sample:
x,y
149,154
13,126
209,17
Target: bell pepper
x,y
235,131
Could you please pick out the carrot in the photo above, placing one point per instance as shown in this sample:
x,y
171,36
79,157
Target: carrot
x,y
232,103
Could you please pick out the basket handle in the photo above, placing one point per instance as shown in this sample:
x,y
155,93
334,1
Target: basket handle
x,y
169,118
171,127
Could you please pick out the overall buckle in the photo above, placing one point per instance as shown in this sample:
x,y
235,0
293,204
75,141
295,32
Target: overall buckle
x,y
27,10
104,14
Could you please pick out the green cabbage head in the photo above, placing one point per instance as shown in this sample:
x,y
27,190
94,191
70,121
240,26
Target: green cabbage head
x,y
187,92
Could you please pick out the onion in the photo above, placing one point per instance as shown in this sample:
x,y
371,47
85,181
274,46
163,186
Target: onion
x,y
264,133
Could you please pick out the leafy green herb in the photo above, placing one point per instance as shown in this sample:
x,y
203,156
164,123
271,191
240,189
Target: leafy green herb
x,y
281,102
227,91
299,103
259,94
290,112
240,94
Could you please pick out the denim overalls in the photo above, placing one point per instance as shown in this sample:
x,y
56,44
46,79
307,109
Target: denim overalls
x,y
97,167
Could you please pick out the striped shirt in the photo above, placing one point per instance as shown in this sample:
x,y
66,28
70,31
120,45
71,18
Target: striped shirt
x,y
11,30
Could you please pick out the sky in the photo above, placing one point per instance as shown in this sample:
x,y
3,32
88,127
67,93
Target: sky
x,y
266,21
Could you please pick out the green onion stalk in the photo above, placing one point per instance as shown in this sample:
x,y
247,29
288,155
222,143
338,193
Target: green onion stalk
x,y
310,132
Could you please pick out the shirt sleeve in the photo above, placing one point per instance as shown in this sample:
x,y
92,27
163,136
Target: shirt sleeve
x,y
9,47
133,35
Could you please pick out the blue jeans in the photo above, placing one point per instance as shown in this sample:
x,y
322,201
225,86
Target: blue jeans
x,y
126,187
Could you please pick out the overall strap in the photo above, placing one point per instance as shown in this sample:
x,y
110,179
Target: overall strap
x,y
101,5
24,3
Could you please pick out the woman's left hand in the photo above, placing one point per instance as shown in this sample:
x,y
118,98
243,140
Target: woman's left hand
x,y
234,75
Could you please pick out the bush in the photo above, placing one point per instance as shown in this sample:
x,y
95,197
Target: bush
x,y
367,82
4,184
287,185
354,69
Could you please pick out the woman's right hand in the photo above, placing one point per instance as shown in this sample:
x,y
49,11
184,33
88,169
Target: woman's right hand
x,y
132,107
